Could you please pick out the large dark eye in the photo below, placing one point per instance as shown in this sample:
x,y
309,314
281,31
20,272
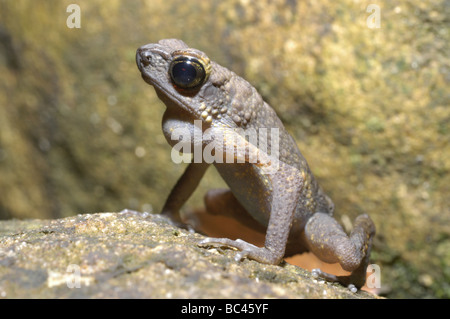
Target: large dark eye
x,y
187,72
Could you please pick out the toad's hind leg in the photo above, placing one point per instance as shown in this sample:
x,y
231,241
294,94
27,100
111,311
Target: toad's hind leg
x,y
328,241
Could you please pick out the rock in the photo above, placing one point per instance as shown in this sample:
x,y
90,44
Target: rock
x,y
137,255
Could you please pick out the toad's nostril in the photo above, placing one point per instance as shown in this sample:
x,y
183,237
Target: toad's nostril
x,y
146,58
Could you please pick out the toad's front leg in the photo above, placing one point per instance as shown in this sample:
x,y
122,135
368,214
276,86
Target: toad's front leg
x,y
182,190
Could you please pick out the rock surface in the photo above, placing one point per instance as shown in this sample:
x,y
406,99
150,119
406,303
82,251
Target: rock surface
x,y
134,255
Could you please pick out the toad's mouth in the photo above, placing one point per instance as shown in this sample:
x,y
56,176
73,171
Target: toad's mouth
x,y
169,93
171,97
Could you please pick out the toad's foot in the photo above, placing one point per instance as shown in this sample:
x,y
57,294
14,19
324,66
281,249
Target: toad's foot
x,y
328,241
344,280
247,250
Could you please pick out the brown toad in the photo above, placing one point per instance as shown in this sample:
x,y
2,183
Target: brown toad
x,y
270,182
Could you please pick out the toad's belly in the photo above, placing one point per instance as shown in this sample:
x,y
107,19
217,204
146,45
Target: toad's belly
x,y
254,191
251,188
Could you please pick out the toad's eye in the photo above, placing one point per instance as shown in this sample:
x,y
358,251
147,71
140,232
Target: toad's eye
x,y
187,72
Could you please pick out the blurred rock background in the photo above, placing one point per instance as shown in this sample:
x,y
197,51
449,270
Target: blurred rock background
x,y
369,108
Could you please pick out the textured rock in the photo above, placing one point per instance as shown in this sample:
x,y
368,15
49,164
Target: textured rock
x,y
133,255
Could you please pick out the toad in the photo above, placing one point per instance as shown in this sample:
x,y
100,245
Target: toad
x,y
270,182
